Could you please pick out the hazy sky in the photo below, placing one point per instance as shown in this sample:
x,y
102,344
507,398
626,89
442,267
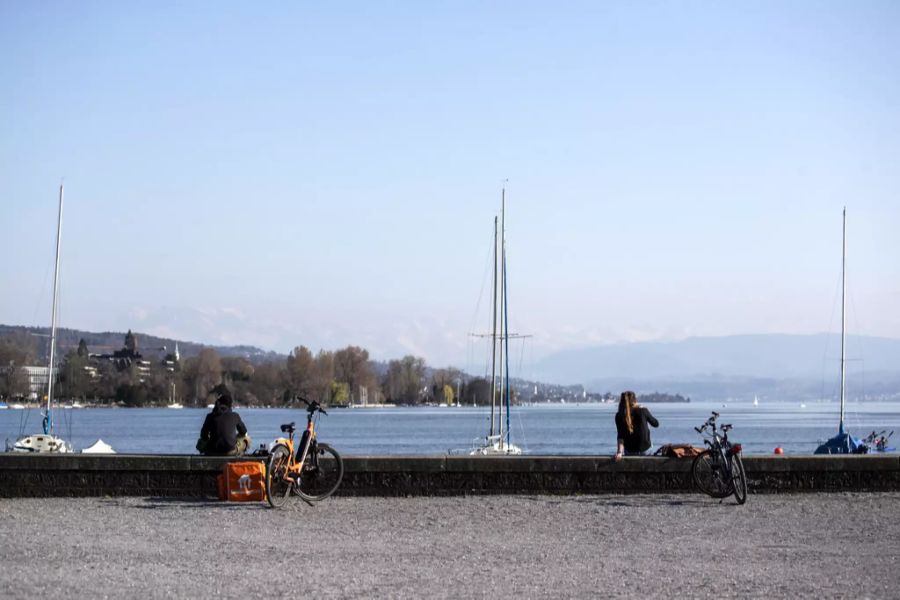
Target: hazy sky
x,y
327,173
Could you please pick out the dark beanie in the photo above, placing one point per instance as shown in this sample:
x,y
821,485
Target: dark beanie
x,y
223,396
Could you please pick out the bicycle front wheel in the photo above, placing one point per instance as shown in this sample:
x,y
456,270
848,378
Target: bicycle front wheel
x,y
278,486
322,472
739,479
709,475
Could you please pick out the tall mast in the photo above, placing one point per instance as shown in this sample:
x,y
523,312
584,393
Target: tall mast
x,y
502,307
494,336
48,417
843,311
505,318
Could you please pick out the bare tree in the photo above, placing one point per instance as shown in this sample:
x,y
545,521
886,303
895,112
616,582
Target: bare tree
x,y
323,377
404,381
208,374
352,367
301,371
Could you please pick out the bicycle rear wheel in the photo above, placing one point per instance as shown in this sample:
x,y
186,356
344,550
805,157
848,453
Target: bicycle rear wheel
x,y
322,472
709,475
278,487
739,479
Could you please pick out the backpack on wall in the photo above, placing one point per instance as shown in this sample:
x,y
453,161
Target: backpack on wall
x,y
678,451
243,482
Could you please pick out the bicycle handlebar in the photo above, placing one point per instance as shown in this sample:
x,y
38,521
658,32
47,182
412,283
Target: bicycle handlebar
x,y
312,406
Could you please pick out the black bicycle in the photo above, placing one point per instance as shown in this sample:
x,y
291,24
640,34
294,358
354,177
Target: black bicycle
x,y
718,471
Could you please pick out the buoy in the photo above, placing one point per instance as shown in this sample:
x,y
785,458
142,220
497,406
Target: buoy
x,y
779,450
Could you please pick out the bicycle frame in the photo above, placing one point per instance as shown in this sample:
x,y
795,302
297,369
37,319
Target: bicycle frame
x,y
719,445
296,466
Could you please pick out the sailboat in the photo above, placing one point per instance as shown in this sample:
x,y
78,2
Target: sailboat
x,y
498,440
47,441
843,443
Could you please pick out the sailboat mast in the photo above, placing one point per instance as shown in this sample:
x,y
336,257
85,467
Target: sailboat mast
x,y
48,417
502,270
505,320
494,336
843,311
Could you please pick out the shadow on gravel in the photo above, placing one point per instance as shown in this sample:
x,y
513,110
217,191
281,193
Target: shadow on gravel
x,y
650,500
194,504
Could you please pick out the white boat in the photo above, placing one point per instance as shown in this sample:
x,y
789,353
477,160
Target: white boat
x,y
755,400
47,441
498,440
99,447
174,405
17,406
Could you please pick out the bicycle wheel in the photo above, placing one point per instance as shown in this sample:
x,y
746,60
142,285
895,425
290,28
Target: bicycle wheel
x,y
709,475
323,470
739,479
278,488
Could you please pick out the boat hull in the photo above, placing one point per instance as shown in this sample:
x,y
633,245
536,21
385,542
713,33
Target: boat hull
x,y
42,443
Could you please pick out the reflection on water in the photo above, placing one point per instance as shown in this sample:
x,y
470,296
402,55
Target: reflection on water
x,y
545,429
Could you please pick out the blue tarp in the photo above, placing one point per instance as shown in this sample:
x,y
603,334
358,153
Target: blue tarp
x,y
843,443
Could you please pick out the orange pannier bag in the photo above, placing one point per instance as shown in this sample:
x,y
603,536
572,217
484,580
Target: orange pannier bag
x,y
245,481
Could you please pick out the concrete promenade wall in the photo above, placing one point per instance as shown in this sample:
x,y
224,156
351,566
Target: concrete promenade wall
x,y
195,476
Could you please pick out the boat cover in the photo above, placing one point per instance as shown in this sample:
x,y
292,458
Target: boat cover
x,y
843,443
99,447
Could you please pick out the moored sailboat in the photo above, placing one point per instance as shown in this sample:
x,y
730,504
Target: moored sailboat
x,y
498,441
843,442
47,441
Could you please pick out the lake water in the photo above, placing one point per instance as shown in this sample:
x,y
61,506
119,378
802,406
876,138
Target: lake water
x,y
571,429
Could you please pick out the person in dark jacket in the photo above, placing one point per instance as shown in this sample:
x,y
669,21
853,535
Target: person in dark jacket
x,y
631,426
223,432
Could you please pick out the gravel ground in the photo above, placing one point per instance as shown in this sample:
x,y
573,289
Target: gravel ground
x,y
810,545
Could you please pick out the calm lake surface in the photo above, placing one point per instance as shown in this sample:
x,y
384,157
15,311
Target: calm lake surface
x,y
570,429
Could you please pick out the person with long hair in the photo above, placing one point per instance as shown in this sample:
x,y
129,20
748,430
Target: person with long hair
x,y
632,429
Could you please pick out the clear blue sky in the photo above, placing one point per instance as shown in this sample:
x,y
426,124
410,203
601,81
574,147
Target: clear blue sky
x,y
327,173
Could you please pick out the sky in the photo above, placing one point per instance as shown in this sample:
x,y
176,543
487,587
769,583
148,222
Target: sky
x,y
326,174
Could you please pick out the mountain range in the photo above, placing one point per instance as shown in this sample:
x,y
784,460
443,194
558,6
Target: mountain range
x,y
771,366
777,365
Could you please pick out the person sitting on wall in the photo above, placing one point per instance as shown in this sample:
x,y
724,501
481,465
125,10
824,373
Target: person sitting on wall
x,y
223,432
631,426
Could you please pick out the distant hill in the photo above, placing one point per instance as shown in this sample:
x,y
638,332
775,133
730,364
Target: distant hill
x,y
109,341
714,367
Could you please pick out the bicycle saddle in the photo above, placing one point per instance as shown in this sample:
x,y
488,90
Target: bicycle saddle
x,y
288,428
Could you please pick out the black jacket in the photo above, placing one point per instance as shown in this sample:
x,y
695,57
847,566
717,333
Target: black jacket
x,y
221,430
639,439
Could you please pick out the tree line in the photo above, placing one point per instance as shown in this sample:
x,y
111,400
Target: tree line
x,y
336,378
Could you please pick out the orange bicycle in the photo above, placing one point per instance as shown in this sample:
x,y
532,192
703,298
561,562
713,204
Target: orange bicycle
x,y
314,472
